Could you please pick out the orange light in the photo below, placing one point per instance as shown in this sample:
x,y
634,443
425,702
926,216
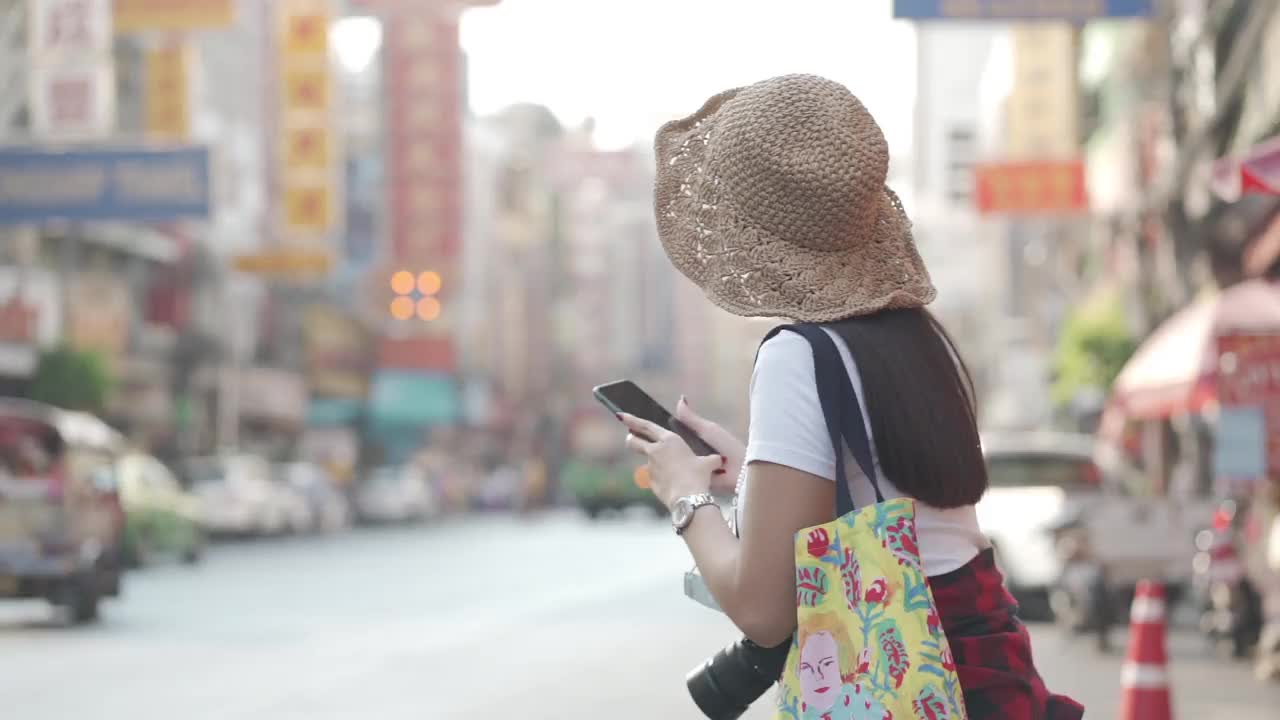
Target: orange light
x,y
402,308
641,476
402,284
428,309
429,283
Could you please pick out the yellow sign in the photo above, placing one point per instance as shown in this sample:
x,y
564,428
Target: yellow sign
x,y
307,142
306,89
308,208
132,16
168,103
307,149
284,262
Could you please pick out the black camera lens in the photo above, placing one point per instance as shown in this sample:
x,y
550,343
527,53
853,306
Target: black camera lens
x,y
725,685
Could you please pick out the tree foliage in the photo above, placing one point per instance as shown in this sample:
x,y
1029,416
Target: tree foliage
x,y
1095,343
72,380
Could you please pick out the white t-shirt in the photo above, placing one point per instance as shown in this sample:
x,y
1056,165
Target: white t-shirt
x,y
788,428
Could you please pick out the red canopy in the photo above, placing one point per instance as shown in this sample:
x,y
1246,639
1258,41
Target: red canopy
x,y
1175,369
1258,171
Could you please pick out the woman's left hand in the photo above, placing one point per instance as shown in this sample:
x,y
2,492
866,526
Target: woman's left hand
x,y
674,471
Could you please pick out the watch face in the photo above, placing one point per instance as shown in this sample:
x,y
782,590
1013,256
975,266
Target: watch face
x,y
680,512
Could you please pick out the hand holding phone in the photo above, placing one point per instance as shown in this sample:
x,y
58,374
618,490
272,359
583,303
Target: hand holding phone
x,y
625,396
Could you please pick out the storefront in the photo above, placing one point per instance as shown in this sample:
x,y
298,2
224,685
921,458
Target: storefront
x,y
404,406
272,406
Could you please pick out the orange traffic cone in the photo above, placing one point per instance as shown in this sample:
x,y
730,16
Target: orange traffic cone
x,y
1144,679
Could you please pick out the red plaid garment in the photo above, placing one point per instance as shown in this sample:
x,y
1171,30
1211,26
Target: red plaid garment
x,y
992,648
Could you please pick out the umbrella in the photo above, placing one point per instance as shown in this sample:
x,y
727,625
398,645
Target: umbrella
x,y
1258,171
1175,369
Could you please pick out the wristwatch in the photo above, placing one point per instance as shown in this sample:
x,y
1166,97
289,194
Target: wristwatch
x,y
684,508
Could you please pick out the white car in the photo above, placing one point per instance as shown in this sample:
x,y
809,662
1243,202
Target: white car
x,y
1040,480
237,495
395,494
328,508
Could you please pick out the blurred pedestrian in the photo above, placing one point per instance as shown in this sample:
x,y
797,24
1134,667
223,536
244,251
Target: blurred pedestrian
x,y
772,199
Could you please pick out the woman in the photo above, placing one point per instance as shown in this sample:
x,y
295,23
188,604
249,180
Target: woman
x,y
772,199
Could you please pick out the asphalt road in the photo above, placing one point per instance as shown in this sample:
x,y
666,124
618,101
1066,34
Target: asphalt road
x,y
542,619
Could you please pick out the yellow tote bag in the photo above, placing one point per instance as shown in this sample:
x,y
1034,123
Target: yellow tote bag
x,y
869,643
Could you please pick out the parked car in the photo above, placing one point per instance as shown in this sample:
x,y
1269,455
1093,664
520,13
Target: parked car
x,y
295,507
328,507
61,522
237,495
162,519
1043,482
394,494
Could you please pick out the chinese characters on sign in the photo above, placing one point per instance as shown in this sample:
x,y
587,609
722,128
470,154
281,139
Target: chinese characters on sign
x,y
1027,188
425,121
308,167
71,82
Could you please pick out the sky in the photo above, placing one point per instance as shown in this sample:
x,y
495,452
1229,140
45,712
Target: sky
x,y
633,64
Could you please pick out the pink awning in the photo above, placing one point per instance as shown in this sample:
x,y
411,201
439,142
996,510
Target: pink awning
x,y
1258,171
1174,370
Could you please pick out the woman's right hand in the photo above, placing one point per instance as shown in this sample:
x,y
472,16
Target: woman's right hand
x,y
724,442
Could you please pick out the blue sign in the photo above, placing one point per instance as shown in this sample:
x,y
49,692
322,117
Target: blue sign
x,y
136,184
1240,446
1020,9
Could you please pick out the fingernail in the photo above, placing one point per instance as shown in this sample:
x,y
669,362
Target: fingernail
x,y
719,471
618,415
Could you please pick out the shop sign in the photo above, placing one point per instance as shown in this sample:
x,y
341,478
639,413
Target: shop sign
x,y
339,355
168,16
1020,9
100,311
1031,188
130,184
30,319
1248,391
71,76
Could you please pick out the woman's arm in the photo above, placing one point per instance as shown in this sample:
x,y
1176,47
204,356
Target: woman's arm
x,y
753,578
788,488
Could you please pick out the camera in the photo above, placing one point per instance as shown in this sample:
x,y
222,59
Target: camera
x,y
725,685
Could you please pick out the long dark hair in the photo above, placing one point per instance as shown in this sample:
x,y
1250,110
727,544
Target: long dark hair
x,y
920,398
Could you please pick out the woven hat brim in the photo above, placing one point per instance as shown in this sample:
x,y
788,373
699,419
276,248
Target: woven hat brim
x,y
749,271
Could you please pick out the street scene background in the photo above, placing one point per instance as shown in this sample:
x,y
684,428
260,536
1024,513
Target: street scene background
x,y
302,303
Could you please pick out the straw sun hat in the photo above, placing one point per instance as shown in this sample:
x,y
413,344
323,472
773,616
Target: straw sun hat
x,y
772,199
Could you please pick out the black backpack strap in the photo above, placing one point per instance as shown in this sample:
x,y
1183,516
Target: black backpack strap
x,y
840,409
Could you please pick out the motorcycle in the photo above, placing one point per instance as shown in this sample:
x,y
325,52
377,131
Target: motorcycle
x,y
1231,607
1081,598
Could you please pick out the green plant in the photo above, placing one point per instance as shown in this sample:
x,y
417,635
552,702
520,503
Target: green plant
x,y
1095,343
71,379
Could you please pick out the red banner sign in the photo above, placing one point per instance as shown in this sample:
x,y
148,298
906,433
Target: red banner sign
x,y
1248,369
424,89
1031,188
1249,375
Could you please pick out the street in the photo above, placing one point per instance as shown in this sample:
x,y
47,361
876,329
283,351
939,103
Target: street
x,y
542,619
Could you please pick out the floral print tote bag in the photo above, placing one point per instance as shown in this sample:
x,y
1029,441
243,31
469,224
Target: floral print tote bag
x,y
869,644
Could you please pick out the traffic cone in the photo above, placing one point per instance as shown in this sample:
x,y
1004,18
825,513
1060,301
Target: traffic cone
x,y
1144,678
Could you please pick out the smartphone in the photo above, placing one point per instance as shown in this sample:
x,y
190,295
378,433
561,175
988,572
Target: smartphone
x,y
625,396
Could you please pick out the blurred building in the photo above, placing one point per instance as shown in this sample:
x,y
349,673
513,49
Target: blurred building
x,y
959,246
